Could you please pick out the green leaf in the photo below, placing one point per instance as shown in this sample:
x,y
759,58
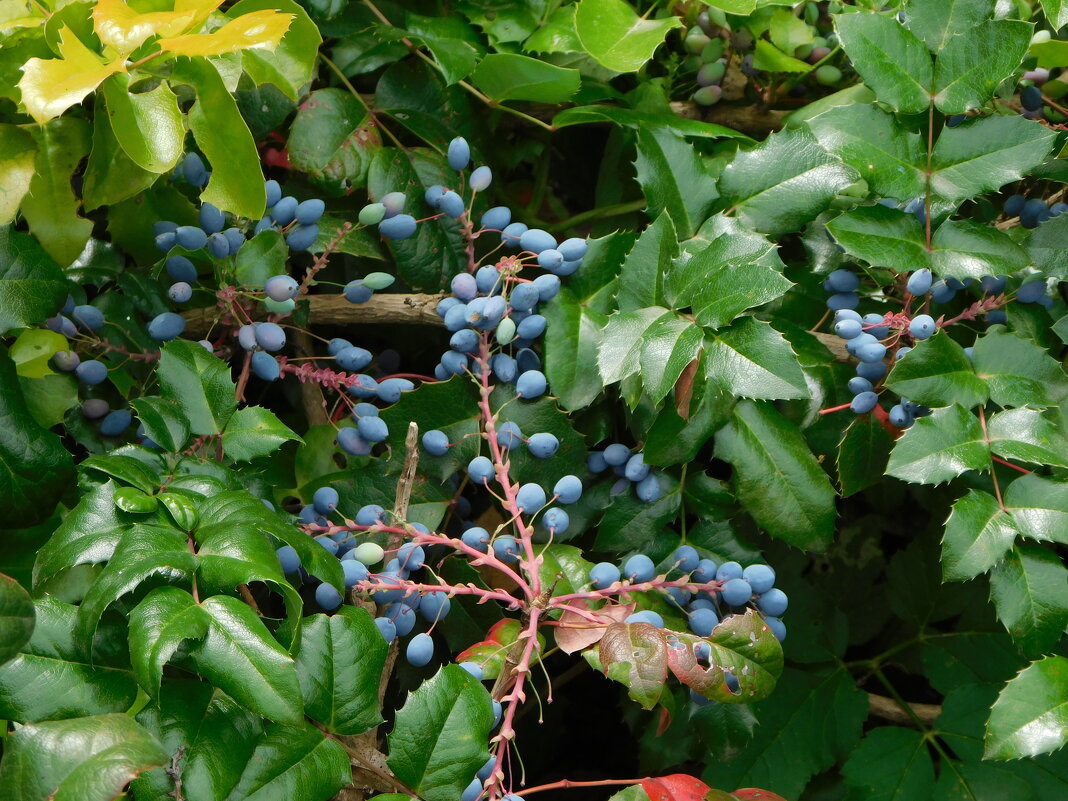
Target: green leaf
x,y
1056,12
937,372
637,120
290,65
1039,506
164,422
18,152
339,665
668,346
776,477
880,236
50,207
31,284
619,355
199,382
970,67
630,523
571,342
750,359
1030,716
811,721
148,125
1029,589
938,22
127,469
674,179
784,182
862,455
253,432
34,465
333,140
88,758
236,183
50,397
261,257
440,737
448,406
17,618
939,447
969,249
111,176
32,350
635,655
45,686
978,534
891,764
239,656
738,270
1017,371
88,534
890,60
641,277
166,618
509,76
984,153
768,57
1047,244
1026,435
294,762
885,153
616,37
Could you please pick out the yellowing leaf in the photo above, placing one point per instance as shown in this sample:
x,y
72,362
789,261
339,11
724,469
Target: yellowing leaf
x,y
18,153
51,86
15,14
260,29
122,28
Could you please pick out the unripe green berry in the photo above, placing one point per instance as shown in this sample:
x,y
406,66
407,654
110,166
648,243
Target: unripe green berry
x,y
505,331
708,95
372,214
369,553
378,281
713,51
711,73
279,307
828,75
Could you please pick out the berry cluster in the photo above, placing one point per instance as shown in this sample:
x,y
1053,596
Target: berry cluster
x,y
631,469
1032,212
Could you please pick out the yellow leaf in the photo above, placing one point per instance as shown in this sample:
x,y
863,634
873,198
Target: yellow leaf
x,y
260,29
122,28
16,14
18,154
51,86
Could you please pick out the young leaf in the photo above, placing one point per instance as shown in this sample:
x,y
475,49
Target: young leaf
x,y
439,740
892,62
199,382
90,758
290,65
18,152
1029,589
978,534
971,66
257,29
937,372
776,477
616,37
121,27
339,665
784,182
1030,716
576,632
676,787
940,447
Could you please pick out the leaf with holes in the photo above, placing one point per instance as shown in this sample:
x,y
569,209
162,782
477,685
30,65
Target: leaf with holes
x,y
635,655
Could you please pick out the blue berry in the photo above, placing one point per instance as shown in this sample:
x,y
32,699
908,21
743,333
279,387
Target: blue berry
x,y
265,366
530,498
389,390
573,248
88,317
436,442
1014,205
480,470
497,218
386,628
464,286
506,549
702,621
353,359
872,371
778,628
400,226
536,240
211,219
556,520
531,384
353,571
843,300
480,178
511,234
871,352
91,372
685,558
922,326
920,281
190,237
842,281
1031,292
115,422
180,292
604,575
281,288
848,329
459,154
645,616
773,602
325,500
179,268
475,670
543,445
864,402
736,592
309,211
451,204
509,435
274,192
635,468
288,559
547,285
302,237
270,336
193,169
476,537
857,385
411,556
649,489
167,326
568,489
760,577
373,429
357,292
327,597
639,568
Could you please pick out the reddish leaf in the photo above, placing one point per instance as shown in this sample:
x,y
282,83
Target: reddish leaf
x,y
684,390
663,722
676,787
635,655
576,632
753,794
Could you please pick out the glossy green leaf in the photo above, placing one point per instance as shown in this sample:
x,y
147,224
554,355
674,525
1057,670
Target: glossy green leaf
x,y
1028,436
290,65
31,284
339,665
225,139
643,271
1039,506
862,455
668,347
88,534
784,182
1029,589
239,656
294,762
18,152
253,432
619,354
767,56
32,350
986,153
969,68
135,501
939,447
45,686
509,76
750,359
127,469
1017,372
111,176
885,153
85,758
969,249
164,422
674,179
736,271
333,140
1047,244
572,338
148,125
978,534
199,382
1030,716
881,236
613,34
776,477
159,625
891,764
34,465
635,119
441,735
937,372
938,22
50,207
17,618
889,58
630,523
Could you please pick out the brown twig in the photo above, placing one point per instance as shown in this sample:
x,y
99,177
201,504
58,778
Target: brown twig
x,y
881,706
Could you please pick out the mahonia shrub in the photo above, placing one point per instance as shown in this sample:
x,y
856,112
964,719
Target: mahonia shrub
x,y
378,380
